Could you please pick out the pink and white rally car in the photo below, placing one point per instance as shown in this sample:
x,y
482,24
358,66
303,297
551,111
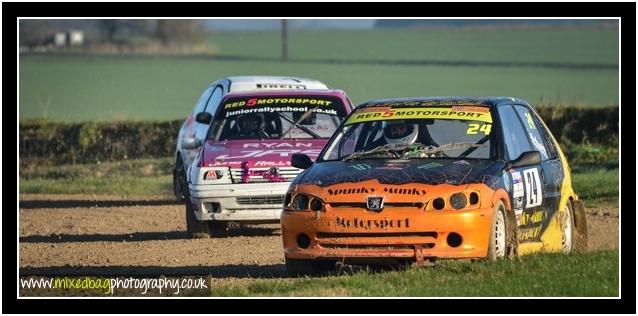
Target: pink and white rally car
x,y
192,132
242,170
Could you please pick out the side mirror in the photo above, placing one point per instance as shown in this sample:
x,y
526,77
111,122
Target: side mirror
x,y
525,159
300,161
203,117
191,142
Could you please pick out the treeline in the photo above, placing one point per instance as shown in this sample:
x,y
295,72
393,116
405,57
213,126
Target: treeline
x,y
587,135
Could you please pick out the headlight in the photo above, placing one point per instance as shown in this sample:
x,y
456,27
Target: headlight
x,y
438,204
474,198
303,202
300,202
316,205
458,200
287,199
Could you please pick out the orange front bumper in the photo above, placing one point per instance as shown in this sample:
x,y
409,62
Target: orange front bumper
x,y
393,233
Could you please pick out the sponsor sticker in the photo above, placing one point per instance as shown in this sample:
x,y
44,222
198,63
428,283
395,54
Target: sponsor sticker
x,y
272,101
506,181
517,183
382,114
367,224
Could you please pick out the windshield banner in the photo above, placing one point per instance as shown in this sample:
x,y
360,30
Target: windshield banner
x,y
269,109
234,104
325,104
468,113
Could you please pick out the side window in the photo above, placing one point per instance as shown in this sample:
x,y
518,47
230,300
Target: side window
x,y
532,130
214,100
547,139
199,107
514,134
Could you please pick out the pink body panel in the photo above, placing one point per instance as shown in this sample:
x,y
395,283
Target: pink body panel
x,y
258,153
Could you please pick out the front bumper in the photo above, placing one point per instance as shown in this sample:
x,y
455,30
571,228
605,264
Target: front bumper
x,y
393,233
254,202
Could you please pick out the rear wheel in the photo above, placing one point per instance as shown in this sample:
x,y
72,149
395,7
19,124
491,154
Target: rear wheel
x,y
567,228
302,267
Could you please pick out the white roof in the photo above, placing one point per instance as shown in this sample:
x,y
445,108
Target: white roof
x,y
258,83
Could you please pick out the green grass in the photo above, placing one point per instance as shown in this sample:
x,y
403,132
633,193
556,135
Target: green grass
x,y
580,45
67,88
598,188
118,185
593,274
129,177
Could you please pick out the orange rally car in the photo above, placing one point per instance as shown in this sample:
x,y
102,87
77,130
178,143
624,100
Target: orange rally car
x,y
427,178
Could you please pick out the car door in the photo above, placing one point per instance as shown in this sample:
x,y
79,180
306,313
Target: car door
x,y
551,172
525,186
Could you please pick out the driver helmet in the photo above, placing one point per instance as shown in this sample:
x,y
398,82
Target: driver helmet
x,y
400,132
249,123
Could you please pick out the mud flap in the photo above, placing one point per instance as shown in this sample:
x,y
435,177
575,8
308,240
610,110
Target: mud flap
x,y
512,235
580,223
418,254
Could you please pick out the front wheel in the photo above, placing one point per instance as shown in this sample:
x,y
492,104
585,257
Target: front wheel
x,y
503,238
217,228
195,227
179,181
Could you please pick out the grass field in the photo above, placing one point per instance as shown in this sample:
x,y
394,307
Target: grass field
x,y
108,88
77,88
598,188
571,45
593,274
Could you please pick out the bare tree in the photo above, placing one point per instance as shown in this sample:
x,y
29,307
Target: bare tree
x,y
110,29
168,31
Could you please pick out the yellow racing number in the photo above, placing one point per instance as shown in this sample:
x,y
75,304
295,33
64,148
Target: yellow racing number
x,y
474,128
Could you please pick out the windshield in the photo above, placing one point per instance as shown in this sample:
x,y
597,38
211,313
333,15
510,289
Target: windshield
x,y
277,117
413,133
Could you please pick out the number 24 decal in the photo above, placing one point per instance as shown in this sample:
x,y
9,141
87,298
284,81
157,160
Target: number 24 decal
x,y
533,191
474,128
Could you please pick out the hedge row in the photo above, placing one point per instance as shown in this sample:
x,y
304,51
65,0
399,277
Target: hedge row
x,y
582,125
88,142
96,141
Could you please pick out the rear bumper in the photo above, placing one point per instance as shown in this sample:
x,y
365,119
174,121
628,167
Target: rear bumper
x,y
393,233
254,202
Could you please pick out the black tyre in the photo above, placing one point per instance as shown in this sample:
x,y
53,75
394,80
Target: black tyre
x,y
179,181
503,235
195,227
217,228
303,267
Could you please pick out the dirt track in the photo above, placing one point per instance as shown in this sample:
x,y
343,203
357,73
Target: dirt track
x,y
66,236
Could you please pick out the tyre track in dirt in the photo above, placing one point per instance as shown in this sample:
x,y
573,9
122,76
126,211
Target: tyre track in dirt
x,y
150,240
